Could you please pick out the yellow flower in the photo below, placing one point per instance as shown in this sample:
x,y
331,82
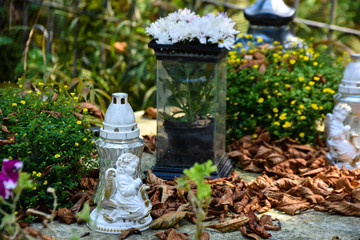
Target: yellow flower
x,y
269,116
299,112
84,139
33,173
66,86
259,39
276,43
252,77
85,110
76,98
303,117
325,47
292,61
72,94
316,78
61,131
293,102
275,110
261,100
14,104
306,58
301,106
78,122
40,83
34,188
38,174
23,102
315,63
38,93
287,124
283,116
255,135
311,83
20,86
45,182
277,123
301,134
307,88
255,66
76,144
57,155
235,103
301,79
314,106
252,115
30,92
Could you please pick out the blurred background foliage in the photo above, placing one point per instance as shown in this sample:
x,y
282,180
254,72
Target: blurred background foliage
x,y
104,49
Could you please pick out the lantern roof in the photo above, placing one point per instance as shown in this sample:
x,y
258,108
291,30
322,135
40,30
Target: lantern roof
x,y
350,83
119,123
269,13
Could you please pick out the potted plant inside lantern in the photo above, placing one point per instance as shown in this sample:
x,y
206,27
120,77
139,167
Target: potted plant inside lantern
x,y
191,90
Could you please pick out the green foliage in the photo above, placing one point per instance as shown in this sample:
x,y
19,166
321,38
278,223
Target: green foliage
x,y
192,91
200,202
48,137
291,98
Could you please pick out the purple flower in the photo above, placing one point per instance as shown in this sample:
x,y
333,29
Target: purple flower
x,y
9,176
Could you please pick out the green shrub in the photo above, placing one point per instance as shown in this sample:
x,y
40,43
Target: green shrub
x,y
53,143
287,94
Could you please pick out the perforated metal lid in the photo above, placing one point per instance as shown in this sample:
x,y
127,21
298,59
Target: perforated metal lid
x,y
119,123
350,83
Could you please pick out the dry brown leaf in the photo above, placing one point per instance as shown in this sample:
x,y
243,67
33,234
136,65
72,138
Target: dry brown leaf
x,y
230,225
267,222
171,234
255,226
168,220
344,208
79,204
167,191
9,140
152,178
65,215
125,233
291,205
150,112
263,152
88,183
249,235
226,199
4,128
93,109
204,236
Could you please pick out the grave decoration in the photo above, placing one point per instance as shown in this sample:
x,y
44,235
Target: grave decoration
x,y
343,125
120,192
191,90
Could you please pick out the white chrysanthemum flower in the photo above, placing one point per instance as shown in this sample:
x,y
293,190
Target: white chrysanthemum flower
x,y
185,26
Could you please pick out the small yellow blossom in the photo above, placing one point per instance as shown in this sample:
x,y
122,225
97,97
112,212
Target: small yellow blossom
x,y
311,83
38,174
303,117
301,134
261,100
14,104
299,112
275,110
84,139
33,173
23,102
61,131
252,115
20,86
76,144
287,124
76,98
301,106
45,182
307,88
57,155
252,77
283,116
277,123
293,102
269,116
314,106
306,58
85,110
30,92
255,135
316,78
66,86
72,94
292,61
315,63
276,43
38,93
40,83
34,188
255,66
78,122
301,79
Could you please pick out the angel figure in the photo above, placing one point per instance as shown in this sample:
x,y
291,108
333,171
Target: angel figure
x,y
125,197
340,139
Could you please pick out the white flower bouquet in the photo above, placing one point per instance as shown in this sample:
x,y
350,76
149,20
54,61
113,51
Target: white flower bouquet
x,y
186,27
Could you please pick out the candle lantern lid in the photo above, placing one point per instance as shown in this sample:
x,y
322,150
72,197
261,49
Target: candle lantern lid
x,y
269,13
119,123
350,83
